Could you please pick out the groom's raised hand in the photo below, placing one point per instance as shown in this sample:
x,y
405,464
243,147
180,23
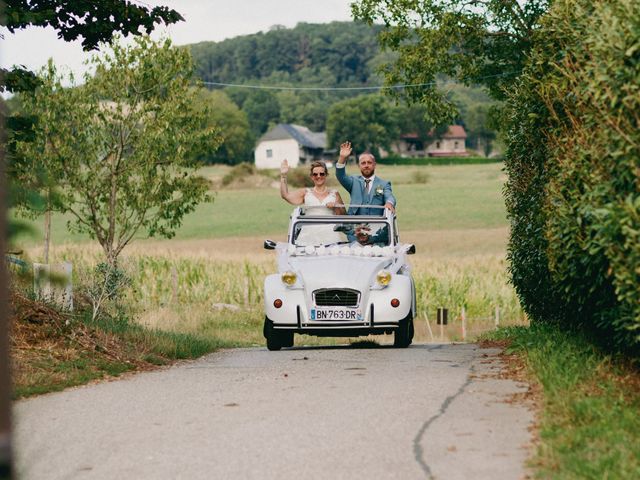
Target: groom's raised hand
x,y
345,151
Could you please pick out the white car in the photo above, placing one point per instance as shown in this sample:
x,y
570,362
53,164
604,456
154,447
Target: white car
x,y
340,276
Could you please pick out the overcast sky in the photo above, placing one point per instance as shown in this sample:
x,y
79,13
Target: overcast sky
x,y
205,20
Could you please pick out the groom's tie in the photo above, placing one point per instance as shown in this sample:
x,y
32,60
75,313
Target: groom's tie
x,y
367,181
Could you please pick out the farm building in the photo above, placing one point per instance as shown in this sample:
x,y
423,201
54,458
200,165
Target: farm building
x,y
450,144
295,143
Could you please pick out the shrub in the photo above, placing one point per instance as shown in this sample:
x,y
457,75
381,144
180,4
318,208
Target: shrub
x,y
239,171
103,287
299,177
419,176
573,193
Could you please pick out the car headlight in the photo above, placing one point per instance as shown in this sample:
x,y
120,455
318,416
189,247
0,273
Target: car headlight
x,y
289,278
383,277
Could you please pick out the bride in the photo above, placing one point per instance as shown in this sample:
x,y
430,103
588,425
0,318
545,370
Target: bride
x,y
319,200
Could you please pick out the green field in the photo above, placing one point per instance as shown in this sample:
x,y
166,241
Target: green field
x,y
453,198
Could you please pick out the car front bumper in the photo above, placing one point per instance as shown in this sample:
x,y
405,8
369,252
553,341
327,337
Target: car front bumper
x,y
377,313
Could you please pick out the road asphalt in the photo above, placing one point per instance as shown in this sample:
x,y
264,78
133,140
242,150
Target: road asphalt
x,y
439,411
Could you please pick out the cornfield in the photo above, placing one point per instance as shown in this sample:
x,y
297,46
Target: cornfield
x,y
223,297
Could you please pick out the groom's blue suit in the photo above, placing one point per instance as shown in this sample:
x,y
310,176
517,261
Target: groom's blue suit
x,y
379,194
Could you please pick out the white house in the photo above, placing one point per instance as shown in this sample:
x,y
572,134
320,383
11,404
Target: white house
x,y
450,144
294,143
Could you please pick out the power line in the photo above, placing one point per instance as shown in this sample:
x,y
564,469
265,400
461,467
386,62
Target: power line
x,y
323,89
329,89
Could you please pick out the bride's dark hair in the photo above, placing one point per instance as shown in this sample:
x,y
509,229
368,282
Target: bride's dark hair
x,y
318,163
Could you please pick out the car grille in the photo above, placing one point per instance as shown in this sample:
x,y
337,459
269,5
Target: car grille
x,y
336,298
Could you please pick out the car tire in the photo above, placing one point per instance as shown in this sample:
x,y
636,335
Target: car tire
x,y
286,338
404,333
275,339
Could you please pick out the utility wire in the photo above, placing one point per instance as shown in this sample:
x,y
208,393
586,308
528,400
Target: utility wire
x,y
328,89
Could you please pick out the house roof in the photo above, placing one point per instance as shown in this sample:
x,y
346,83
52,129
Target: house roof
x,y
455,131
300,134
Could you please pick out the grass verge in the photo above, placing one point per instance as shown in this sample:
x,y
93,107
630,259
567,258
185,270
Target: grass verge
x,y
51,350
589,424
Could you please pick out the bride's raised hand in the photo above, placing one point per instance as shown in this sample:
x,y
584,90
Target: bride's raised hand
x,y
284,167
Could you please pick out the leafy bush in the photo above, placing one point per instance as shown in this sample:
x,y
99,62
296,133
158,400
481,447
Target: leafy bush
x,y
573,193
104,286
239,171
299,177
419,176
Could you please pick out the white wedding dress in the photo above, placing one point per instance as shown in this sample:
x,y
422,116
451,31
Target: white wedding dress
x,y
319,234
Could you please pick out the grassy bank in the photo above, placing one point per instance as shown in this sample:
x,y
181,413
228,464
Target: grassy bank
x,y
52,350
589,426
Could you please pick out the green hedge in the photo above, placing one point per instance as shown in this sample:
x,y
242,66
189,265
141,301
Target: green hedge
x,y
394,160
573,195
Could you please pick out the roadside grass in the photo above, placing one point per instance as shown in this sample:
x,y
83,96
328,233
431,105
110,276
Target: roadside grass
x,y
589,426
52,350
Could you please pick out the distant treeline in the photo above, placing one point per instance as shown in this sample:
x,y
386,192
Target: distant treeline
x,y
330,55
337,54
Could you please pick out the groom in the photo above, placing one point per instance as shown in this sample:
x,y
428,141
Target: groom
x,y
365,189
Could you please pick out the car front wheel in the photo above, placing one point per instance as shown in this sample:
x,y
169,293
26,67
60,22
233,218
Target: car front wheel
x,y
275,339
404,334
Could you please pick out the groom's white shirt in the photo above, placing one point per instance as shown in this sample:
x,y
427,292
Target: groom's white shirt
x,y
372,177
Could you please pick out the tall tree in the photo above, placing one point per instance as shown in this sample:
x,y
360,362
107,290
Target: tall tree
x,y
236,140
94,22
473,41
262,109
369,122
72,20
120,146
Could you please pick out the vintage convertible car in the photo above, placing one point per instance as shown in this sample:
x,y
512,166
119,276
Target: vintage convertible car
x,y
341,276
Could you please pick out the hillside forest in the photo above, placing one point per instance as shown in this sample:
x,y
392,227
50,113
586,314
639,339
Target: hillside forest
x,y
343,55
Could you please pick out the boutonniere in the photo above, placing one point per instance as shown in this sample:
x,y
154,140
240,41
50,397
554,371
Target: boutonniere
x,y
379,190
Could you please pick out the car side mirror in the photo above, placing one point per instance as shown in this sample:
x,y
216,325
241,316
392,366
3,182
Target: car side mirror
x,y
269,245
411,249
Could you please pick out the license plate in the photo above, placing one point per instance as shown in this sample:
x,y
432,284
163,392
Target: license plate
x,y
335,314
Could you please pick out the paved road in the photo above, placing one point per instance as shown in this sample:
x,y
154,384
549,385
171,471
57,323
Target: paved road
x,y
429,411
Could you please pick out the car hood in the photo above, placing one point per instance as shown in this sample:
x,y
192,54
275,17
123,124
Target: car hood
x,y
337,272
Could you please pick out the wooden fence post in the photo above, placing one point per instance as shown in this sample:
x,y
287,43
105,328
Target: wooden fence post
x,y
463,318
497,316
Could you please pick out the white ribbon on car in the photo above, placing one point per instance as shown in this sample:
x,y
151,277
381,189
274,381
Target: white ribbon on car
x,y
286,249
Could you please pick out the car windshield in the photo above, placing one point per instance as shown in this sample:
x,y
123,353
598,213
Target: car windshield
x,y
341,232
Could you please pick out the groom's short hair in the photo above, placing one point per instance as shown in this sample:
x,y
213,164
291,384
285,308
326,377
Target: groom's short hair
x,y
366,154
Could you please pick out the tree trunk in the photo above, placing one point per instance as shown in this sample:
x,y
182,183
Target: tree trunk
x,y
47,234
5,374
